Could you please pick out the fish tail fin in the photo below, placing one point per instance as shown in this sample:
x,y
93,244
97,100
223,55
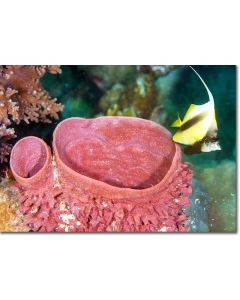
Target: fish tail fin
x,y
177,123
210,96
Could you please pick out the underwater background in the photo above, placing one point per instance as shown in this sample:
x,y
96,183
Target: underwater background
x,y
159,93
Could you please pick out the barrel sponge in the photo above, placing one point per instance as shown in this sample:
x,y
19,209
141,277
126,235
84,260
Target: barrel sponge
x,y
117,174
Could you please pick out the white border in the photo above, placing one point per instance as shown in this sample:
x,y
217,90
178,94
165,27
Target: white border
x,y
119,266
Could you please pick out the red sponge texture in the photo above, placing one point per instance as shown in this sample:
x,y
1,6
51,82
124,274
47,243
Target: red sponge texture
x,y
116,174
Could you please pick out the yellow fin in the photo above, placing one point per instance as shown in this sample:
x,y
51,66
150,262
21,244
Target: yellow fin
x,y
177,123
185,139
191,135
192,110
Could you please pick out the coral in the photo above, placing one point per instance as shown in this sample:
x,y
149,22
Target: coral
x,y
11,220
160,70
111,97
137,99
106,76
6,134
22,98
115,110
107,174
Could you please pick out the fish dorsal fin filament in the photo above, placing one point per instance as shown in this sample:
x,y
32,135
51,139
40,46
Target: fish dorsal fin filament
x,y
210,96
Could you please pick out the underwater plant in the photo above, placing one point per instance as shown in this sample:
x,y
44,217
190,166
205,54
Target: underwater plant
x,y
119,174
22,98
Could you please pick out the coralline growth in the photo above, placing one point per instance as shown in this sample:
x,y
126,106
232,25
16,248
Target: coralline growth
x,y
11,220
137,99
107,174
137,96
157,70
22,98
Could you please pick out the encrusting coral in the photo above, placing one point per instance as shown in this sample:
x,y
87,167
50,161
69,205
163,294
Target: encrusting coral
x,y
22,98
136,99
108,174
158,70
106,76
11,220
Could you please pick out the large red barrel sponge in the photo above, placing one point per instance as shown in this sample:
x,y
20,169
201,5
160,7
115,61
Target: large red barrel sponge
x,y
107,174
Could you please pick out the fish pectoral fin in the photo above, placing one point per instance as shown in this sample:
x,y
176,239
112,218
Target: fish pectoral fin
x,y
177,123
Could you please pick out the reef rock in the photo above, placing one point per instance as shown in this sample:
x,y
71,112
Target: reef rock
x,y
221,187
198,210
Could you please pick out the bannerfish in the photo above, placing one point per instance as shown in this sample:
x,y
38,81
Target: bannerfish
x,y
198,129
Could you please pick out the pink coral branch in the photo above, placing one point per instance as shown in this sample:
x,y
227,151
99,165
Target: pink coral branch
x,y
22,98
